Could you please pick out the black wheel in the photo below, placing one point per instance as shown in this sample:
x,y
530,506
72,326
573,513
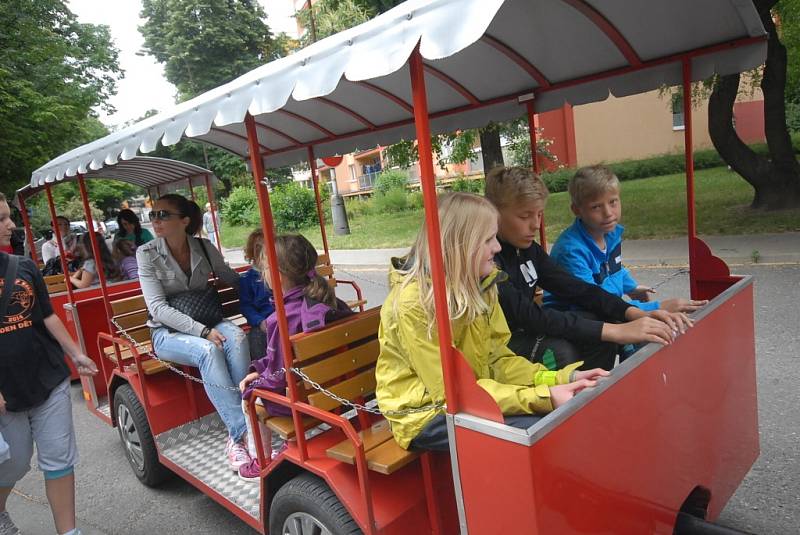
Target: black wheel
x,y
307,506
134,432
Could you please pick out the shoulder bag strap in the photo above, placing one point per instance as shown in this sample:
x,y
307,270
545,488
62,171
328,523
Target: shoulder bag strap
x,y
205,252
8,285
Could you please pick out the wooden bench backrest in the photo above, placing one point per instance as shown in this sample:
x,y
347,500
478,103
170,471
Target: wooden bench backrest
x,y
341,358
55,283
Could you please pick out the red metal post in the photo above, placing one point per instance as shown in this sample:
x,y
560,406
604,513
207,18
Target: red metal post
x,y
312,162
268,227
531,108
688,147
23,210
428,184
213,203
98,260
59,241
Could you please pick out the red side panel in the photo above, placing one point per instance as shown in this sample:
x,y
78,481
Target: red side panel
x,y
685,416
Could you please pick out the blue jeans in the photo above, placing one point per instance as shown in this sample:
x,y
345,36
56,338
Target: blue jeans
x,y
225,367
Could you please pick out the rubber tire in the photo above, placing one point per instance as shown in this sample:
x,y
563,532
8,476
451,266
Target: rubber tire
x,y
309,494
154,473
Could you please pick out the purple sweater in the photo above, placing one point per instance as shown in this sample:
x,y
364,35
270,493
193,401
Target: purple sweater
x,y
303,315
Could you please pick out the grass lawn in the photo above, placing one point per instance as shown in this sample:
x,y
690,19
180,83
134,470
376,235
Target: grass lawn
x,y
652,208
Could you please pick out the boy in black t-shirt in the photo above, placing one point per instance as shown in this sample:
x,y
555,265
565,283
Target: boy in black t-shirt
x,y
550,336
35,404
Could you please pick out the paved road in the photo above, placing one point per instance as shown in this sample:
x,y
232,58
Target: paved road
x,y
112,502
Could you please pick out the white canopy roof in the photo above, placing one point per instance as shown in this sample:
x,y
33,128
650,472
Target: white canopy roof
x,y
146,171
352,90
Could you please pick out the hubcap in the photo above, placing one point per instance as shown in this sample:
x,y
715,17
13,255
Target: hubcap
x,y
304,524
130,437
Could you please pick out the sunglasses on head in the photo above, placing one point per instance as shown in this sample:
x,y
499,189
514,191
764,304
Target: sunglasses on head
x,y
162,215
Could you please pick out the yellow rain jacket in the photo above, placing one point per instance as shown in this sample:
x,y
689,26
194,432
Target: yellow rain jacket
x,y
409,369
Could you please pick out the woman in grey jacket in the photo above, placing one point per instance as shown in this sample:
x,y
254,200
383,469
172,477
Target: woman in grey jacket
x,y
175,262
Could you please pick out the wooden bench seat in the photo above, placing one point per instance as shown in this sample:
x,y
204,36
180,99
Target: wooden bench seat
x,y
342,359
325,269
55,283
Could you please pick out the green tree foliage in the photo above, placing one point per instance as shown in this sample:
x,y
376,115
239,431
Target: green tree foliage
x,y
293,207
53,71
327,17
206,43
788,12
241,206
393,179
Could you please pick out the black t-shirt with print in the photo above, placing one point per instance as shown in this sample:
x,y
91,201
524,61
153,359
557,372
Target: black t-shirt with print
x,y
31,361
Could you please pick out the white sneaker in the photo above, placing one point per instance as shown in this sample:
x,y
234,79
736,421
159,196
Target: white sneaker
x,y
7,526
237,454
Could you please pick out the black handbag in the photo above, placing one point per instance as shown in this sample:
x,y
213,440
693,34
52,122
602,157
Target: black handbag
x,y
202,305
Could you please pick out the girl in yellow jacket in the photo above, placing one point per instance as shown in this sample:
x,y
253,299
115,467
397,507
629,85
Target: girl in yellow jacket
x,y
409,370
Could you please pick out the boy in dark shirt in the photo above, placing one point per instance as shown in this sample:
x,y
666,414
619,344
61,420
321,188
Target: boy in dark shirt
x,y
550,336
35,404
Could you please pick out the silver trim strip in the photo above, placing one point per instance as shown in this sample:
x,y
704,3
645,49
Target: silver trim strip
x,y
451,439
70,308
526,437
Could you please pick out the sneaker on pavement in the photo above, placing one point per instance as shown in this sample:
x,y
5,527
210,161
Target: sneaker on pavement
x,y
7,526
250,471
237,454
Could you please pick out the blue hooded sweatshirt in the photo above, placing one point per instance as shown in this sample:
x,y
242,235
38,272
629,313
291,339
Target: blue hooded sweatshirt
x,y
576,251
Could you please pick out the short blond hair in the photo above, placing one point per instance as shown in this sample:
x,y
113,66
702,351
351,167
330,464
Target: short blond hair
x,y
590,182
507,186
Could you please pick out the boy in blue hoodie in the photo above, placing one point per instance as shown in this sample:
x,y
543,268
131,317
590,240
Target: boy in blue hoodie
x,y
591,248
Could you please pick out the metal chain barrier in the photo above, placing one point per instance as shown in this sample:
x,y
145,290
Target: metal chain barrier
x,y
296,371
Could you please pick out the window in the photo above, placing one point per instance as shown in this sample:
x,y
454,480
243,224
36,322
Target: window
x,y
677,111
353,175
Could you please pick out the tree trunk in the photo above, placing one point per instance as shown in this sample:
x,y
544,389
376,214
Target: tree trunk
x,y
776,180
490,148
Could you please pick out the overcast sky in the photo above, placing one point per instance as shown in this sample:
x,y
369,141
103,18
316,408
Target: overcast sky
x,y
144,86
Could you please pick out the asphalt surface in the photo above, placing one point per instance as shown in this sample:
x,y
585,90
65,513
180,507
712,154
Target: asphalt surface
x,y
111,501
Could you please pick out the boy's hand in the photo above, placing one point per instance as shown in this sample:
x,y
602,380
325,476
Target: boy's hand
x,y
677,321
85,365
592,375
249,378
645,329
682,305
641,293
560,394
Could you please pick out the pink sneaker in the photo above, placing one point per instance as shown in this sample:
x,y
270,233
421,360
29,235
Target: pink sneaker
x,y
250,471
237,454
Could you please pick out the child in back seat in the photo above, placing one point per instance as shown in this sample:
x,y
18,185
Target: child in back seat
x,y
310,304
410,387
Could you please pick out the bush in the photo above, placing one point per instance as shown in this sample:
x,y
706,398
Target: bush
x,y
415,201
241,207
358,207
468,185
667,164
293,207
393,179
395,200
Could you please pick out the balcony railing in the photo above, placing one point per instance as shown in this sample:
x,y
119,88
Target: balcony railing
x,y
367,181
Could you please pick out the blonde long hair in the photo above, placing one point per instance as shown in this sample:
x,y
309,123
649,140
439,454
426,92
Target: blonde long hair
x,y
465,220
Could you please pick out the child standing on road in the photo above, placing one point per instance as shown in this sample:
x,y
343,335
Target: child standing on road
x,y
310,304
547,335
409,370
591,248
255,297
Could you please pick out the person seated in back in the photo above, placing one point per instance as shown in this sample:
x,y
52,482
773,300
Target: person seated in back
x,y
87,272
125,256
553,337
410,385
255,296
130,228
309,304
591,248
68,239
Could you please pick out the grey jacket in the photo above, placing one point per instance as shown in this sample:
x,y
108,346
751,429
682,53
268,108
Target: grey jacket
x,y
160,276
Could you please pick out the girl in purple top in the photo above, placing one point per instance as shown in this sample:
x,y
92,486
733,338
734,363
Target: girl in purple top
x,y
310,304
125,255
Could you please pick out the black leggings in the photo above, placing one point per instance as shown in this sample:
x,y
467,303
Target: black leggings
x,y
434,435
